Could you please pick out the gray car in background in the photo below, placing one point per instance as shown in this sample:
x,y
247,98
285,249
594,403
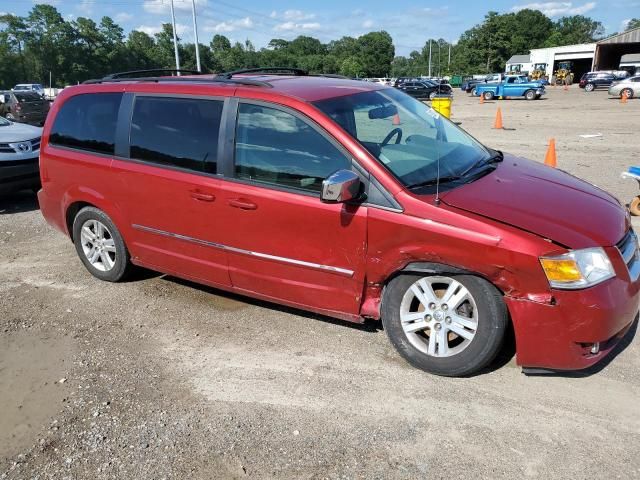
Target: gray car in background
x,y
629,87
19,151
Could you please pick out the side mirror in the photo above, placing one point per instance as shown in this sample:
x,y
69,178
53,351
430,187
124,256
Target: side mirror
x,y
341,186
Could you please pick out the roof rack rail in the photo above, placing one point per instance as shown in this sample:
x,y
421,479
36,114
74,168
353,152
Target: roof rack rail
x,y
139,73
234,81
298,72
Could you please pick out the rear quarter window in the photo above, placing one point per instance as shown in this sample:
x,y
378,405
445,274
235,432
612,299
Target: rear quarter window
x,y
87,122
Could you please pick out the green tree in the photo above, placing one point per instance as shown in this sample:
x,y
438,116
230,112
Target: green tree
x,y
376,52
632,24
574,29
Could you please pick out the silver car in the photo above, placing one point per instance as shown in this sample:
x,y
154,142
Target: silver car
x,y
19,150
629,87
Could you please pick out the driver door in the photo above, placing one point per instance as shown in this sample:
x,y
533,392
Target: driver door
x,y
283,242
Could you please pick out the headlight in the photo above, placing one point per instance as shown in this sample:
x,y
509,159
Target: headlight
x,y
578,268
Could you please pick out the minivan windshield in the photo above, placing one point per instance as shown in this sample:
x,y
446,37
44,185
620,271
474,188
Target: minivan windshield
x,y
410,139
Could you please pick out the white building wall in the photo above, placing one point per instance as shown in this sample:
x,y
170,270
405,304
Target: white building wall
x,y
567,52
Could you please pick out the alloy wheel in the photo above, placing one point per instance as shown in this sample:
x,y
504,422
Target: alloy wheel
x,y
98,245
439,316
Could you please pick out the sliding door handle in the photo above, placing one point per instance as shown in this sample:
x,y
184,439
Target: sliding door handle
x,y
242,204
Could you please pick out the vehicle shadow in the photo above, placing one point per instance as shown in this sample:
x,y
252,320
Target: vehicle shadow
x,y
597,368
19,202
371,326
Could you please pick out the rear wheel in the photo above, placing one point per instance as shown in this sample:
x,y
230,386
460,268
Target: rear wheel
x,y
100,245
488,95
626,92
446,325
589,87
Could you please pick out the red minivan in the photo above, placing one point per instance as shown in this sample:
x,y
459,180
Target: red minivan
x,y
346,198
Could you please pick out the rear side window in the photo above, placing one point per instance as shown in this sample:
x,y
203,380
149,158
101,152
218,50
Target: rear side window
x,y
87,122
273,146
180,132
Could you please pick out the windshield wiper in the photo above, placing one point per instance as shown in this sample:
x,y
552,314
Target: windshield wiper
x,y
497,157
433,181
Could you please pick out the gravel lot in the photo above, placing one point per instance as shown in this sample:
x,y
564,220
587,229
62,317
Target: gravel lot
x,y
159,378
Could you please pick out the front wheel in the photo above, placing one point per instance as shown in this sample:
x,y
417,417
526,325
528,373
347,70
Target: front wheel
x,y
530,95
627,92
473,92
446,325
488,95
100,245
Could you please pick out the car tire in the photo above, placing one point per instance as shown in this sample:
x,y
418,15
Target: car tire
x,y
530,95
589,87
479,306
100,245
634,206
473,92
488,95
628,92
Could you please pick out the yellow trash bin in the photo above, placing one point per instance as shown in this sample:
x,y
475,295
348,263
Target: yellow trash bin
x,y
442,105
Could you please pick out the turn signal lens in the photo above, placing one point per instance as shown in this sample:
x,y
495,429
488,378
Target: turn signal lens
x,y
578,268
559,270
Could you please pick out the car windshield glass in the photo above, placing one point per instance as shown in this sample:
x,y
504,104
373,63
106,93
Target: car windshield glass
x,y
28,97
405,135
4,123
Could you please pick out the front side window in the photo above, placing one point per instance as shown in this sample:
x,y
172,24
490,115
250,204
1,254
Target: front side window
x,y
406,136
276,147
87,122
180,132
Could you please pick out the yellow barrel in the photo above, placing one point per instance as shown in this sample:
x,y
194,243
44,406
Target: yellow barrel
x,y
442,105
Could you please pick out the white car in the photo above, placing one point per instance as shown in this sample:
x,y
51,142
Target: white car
x,y
30,87
19,150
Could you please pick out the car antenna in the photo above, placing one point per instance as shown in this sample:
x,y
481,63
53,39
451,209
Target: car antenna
x,y
437,199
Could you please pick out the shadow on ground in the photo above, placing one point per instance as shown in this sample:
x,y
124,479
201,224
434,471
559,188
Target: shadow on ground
x,y
18,202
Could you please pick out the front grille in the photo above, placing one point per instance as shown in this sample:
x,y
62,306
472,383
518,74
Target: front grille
x,y
7,148
628,248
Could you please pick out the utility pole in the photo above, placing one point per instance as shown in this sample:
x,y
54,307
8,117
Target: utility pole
x,y
429,58
175,38
449,55
195,33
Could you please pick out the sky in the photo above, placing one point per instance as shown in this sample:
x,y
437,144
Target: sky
x,y
409,22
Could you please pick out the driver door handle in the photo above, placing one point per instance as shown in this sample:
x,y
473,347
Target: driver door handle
x,y
243,204
203,197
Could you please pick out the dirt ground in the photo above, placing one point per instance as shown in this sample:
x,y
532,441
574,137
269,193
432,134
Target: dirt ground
x,y
158,378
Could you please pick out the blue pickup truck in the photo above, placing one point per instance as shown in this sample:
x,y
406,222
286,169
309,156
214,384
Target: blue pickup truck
x,y
511,86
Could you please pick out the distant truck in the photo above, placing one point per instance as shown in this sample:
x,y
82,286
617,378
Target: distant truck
x,y
511,86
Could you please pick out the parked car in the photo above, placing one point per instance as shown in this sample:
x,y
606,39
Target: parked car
x,y
425,89
30,87
24,107
470,84
592,80
401,80
344,198
19,149
512,86
629,86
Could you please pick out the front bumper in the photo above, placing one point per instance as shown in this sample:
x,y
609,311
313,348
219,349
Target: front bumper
x,y
18,175
559,335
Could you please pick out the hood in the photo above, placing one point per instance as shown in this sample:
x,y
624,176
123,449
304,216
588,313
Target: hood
x,y
544,201
18,132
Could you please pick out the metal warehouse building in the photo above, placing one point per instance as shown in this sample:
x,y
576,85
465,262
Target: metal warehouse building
x,y
609,52
612,53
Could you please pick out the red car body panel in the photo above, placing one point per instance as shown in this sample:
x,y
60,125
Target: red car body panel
x,y
496,227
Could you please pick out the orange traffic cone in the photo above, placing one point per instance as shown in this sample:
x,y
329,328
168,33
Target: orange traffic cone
x,y
623,97
498,123
481,99
550,158
396,119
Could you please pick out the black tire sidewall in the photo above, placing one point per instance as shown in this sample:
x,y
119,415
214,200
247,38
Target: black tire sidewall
x,y
121,266
630,95
530,95
492,324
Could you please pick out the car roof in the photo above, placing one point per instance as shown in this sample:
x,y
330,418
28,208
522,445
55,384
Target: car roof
x,y
308,88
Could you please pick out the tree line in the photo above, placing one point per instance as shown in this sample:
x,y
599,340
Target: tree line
x,y
43,42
